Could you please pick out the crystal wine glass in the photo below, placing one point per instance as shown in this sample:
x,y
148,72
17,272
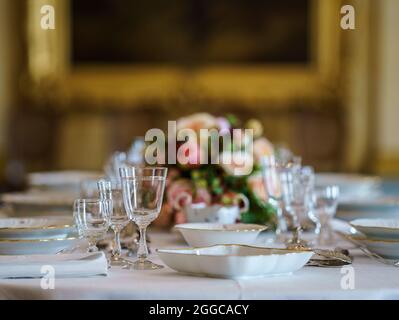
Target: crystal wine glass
x,y
112,190
143,189
115,161
297,190
271,177
135,155
325,201
88,189
92,219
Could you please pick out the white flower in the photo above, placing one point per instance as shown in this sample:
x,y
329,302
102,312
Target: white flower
x,y
236,163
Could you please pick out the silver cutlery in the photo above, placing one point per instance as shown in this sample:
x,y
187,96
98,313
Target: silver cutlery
x,y
328,258
326,263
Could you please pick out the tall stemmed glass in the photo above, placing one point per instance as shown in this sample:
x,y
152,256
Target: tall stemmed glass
x,y
143,190
273,169
325,201
297,189
92,219
271,177
112,190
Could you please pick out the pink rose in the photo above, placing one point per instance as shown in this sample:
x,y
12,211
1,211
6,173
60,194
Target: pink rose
x,y
197,121
179,193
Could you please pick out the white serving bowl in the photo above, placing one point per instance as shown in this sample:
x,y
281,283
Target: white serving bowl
x,y
209,234
378,229
235,261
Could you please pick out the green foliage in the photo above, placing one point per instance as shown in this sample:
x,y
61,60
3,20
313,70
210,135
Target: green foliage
x,y
222,187
259,211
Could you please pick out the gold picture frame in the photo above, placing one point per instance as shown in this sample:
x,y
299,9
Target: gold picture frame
x,y
129,86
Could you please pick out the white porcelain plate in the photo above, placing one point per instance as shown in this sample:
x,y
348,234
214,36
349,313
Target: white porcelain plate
x,y
209,234
37,246
386,248
369,208
39,198
378,229
352,186
36,228
234,261
60,180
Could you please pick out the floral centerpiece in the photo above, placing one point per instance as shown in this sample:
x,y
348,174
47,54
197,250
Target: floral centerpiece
x,y
219,182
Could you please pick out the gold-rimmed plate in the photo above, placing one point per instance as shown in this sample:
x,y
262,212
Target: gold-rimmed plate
x,y
378,229
36,246
388,249
37,228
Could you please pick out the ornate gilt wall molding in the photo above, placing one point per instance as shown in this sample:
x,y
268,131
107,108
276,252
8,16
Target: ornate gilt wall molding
x,y
258,86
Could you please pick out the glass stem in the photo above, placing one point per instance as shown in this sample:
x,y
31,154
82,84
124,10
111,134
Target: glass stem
x,y
326,234
92,245
281,225
295,220
117,251
142,252
318,228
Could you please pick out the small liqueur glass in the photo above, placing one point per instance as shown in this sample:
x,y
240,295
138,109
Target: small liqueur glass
x,y
92,218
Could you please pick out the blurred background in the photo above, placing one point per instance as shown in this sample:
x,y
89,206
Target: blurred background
x,y
113,69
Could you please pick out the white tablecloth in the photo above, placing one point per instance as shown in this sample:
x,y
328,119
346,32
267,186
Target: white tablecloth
x,y
372,280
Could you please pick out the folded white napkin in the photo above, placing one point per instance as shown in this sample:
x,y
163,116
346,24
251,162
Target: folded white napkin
x,y
59,266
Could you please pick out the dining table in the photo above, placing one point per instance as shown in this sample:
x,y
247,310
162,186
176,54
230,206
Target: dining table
x,y
365,279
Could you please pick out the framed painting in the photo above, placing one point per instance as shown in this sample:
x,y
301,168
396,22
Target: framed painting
x,y
131,53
